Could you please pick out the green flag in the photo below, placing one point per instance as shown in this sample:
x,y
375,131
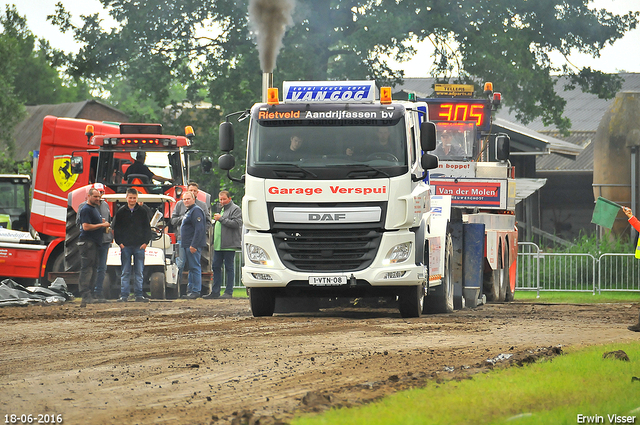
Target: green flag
x,y
605,212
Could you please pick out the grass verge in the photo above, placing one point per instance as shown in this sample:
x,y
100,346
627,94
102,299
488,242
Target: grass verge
x,y
570,297
551,392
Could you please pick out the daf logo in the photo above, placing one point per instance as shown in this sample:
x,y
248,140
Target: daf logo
x,y
327,217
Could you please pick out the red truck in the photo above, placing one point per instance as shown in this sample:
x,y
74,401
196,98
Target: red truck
x,y
76,153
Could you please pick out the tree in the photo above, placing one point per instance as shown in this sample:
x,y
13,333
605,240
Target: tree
x,y
508,42
29,75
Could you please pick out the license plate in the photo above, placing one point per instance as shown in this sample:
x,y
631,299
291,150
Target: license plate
x,y
327,280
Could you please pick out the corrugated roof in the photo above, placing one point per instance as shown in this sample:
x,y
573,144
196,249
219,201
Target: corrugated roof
x,y
582,163
527,140
527,187
584,110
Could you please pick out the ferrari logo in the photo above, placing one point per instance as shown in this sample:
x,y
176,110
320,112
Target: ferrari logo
x,y
62,172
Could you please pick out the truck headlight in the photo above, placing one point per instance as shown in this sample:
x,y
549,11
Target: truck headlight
x,y
258,255
397,254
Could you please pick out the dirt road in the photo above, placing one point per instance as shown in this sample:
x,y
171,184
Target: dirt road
x,y
210,361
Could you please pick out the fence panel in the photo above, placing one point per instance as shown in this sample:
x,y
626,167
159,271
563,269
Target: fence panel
x,y
542,271
618,272
567,272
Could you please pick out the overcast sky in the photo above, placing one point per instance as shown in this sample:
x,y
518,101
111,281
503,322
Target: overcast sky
x,y
622,56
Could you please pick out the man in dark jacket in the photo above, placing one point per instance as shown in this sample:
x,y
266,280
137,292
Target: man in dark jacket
x,y
132,233
91,231
227,237
192,239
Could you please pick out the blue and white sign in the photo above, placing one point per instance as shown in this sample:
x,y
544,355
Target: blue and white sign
x,y
329,91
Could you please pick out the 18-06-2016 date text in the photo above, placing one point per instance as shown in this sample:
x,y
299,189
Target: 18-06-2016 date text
x,y
44,418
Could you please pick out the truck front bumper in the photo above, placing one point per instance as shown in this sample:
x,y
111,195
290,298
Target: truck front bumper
x,y
381,273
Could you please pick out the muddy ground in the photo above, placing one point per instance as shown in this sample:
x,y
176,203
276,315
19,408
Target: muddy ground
x,y
210,361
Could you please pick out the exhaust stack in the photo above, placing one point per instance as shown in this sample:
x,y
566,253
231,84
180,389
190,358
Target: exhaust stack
x,y
267,82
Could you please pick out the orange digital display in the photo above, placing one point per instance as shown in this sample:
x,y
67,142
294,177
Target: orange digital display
x,y
451,111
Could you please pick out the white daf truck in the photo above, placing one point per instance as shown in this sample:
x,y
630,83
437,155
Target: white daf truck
x,y
337,200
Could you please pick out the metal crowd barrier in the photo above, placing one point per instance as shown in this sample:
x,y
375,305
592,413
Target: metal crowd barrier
x,y
549,271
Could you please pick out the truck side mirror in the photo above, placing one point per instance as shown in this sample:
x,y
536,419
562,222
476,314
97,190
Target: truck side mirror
x,y
503,147
206,164
226,136
76,165
226,162
429,162
427,136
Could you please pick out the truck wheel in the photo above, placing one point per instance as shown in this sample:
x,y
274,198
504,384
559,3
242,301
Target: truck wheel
x,y
111,285
411,301
508,293
71,252
441,300
55,267
262,301
156,285
493,282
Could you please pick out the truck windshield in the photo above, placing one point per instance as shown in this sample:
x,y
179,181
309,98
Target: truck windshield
x,y
327,151
14,198
113,166
455,141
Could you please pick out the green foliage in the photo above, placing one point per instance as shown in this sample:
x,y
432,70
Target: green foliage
x,y
29,74
580,382
591,244
10,166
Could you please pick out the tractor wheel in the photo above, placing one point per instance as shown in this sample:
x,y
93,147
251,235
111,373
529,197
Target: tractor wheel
x,y
157,286
111,285
71,251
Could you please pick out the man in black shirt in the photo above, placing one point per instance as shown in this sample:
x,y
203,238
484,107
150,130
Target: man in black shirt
x,y
132,233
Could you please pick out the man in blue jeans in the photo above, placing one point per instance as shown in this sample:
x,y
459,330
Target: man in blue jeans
x,y
192,239
132,233
227,237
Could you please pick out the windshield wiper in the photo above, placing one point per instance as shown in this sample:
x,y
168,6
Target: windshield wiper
x,y
363,174
293,171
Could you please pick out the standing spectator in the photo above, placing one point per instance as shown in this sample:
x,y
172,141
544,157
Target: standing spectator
x,y
227,237
103,248
193,238
132,232
93,227
176,220
636,225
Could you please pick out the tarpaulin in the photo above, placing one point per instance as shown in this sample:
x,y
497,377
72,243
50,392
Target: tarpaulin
x,y
13,294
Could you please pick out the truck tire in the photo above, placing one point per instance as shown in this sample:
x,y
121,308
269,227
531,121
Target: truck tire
x,y
157,286
441,300
411,301
111,285
262,301
71,252
508,293
493,282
